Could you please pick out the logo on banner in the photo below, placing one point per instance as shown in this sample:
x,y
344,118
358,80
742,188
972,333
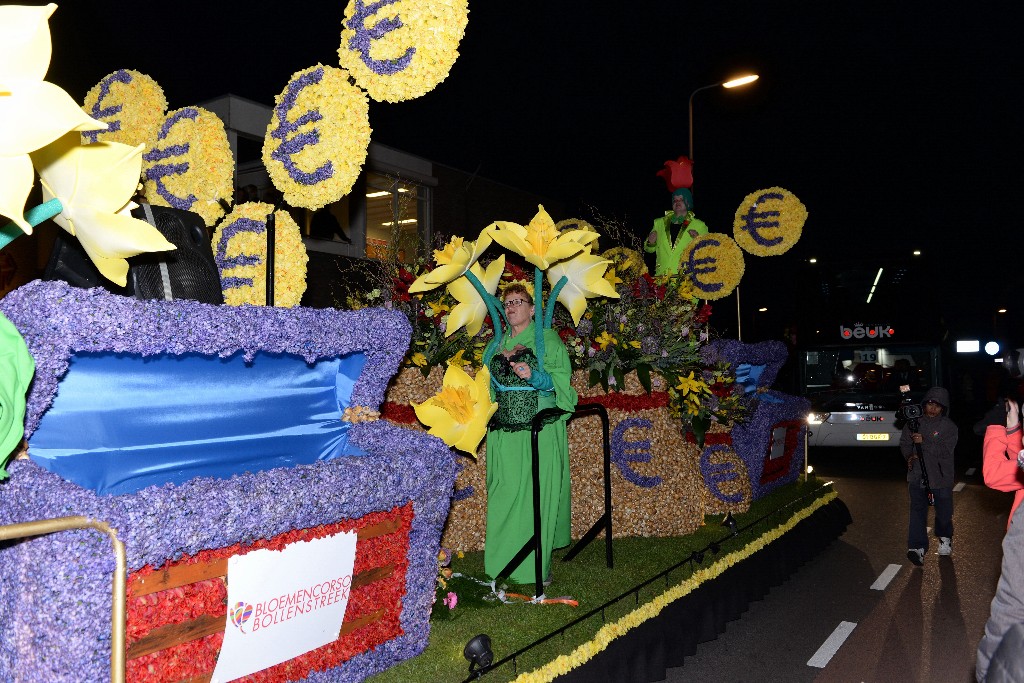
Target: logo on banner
x,y
240,614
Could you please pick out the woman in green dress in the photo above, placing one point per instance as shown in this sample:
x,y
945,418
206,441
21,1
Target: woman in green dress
x,y
522,388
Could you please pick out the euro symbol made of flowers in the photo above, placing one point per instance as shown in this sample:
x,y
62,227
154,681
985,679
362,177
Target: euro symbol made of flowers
x,y
471,311
540,242
585,279
95,184
453,262
459,413
33,113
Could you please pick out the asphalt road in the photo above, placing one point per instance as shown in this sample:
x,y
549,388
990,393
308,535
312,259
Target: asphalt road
x,y
901,623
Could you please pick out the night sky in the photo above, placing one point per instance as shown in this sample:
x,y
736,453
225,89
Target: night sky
x,y
893,122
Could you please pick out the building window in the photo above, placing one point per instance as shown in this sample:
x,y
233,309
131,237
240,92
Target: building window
x,y
396,211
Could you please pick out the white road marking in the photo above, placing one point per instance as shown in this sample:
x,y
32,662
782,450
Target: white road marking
x,y
971,471
832,645
959,487
885,577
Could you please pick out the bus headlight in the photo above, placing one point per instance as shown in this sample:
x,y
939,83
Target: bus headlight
x,y
817,418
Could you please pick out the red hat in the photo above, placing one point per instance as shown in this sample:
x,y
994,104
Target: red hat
x,y
677,174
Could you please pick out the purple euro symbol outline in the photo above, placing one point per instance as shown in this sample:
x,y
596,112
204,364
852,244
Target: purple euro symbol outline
x,y
224,262
296,143
624,453
360,41
754,221
707,264
715,474
157,172
98,111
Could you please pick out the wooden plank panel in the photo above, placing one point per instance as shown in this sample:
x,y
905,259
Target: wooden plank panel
x,y
181,575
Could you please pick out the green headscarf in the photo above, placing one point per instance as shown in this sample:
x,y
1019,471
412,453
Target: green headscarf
x,y
16,370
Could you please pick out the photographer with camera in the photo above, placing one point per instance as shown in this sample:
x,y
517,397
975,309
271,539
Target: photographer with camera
x,y
927,444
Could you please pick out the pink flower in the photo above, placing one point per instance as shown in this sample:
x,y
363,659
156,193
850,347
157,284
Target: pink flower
x,y
451,600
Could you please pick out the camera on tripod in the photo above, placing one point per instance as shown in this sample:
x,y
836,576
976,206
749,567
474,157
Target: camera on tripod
x,y
908,411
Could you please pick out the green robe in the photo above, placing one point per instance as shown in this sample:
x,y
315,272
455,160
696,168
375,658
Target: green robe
x,y
509,460
667,254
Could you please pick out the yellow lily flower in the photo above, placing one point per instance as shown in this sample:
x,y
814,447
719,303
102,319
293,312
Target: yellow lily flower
x,y
437,308
459,413
471,311
457,359
33,113
605,340
418,359
690,385
585,273
460,260
634,344
540,242
95,184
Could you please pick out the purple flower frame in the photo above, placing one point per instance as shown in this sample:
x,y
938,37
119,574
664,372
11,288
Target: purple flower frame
x,y
55,600
751,438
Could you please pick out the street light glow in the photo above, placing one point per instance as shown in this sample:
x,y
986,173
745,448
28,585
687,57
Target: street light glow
x,y
742,80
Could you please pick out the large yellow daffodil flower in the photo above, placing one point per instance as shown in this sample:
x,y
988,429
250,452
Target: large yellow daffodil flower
x,y
585,275
453,262
33,113
540,242
95,184
459,413
471,311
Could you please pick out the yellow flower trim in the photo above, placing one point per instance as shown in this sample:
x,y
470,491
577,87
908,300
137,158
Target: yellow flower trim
x,y
769,222
714,262
323,170
609,632
131,103
194,138
523,283
246,283
410,60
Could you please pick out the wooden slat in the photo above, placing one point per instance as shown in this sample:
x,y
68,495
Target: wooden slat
x,y
181,575
175,634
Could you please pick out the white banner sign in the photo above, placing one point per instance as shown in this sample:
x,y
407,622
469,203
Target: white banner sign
x,y
284,603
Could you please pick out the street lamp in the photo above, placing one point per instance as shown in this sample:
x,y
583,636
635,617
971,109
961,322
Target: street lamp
x,y
732,83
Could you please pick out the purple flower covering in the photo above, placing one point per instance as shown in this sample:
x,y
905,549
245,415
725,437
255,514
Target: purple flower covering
x,y
751,438
55,601
58,320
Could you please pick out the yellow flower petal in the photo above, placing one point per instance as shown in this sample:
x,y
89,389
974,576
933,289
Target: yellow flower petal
x,y
16,178
94,184
462,259
24,42
471,311
35,114
459,413
585,274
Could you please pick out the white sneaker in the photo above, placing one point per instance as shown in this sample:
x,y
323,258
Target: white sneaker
x,y
945,546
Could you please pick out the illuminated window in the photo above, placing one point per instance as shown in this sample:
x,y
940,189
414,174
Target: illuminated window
x,y
395,212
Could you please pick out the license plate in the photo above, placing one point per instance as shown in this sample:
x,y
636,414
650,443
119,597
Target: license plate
x,y
872,437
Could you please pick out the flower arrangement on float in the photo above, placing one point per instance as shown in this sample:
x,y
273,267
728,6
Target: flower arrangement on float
x,y
619,319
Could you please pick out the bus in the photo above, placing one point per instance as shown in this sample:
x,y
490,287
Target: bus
x,y
865,334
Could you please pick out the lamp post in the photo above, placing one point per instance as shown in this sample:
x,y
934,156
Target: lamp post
x,y
731,83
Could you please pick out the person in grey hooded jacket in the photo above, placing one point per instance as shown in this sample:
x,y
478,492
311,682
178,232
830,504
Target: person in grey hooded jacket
x,y
936,435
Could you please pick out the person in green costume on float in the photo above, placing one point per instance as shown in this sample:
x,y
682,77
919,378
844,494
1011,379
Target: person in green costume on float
x,y
522,389
673,232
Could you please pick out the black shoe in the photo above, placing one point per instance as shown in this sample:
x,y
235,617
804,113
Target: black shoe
x,y
916,555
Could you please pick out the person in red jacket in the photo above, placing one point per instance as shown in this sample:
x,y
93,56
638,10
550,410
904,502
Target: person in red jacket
x,y
999,466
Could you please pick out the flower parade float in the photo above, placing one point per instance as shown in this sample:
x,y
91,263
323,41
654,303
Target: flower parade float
x,y
231,453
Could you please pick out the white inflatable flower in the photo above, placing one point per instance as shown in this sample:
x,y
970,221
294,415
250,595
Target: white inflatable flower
x,y
471,311
453,261
540,242
33,113
95,184
585,275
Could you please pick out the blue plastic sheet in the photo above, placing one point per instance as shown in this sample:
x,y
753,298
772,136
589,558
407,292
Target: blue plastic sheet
x,y
122,422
